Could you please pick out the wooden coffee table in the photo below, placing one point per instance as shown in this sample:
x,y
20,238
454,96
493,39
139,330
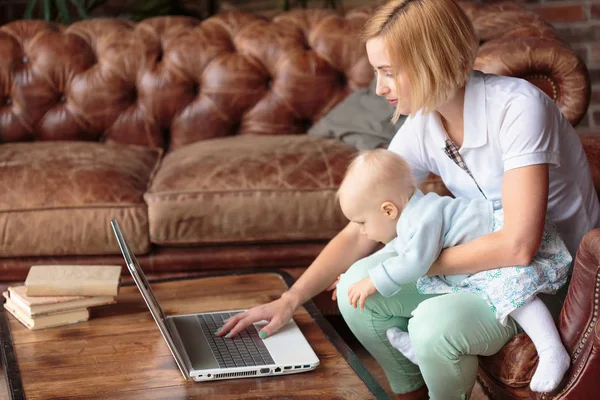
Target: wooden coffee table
x,y
120,354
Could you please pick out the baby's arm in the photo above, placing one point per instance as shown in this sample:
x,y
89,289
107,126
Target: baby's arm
x,y
416,252
358,293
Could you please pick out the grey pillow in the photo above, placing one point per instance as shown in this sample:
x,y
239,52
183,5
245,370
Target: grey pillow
x,y
362,120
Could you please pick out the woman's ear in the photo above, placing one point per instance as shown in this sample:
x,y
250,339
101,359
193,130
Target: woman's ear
x,y
390,209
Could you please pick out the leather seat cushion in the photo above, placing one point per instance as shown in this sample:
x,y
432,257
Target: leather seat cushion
x,y
71,190
248,188
514,364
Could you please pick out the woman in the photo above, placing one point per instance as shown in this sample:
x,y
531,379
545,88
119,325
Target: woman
x,y
484,135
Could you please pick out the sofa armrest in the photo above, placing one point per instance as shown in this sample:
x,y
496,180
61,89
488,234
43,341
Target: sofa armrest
x,y
578,322
517,42
507,373
591,146
547,63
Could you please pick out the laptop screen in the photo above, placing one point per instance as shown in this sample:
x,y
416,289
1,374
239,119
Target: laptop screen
x,y
148,295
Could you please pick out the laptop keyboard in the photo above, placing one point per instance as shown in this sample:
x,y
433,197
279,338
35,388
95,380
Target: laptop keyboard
x,y
244,350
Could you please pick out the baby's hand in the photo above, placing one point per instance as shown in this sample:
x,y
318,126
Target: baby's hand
x,y
359,292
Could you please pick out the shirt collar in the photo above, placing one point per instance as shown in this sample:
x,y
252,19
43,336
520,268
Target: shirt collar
x,y
474,114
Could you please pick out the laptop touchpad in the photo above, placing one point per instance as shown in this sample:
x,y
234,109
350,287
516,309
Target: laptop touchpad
x,y
194,342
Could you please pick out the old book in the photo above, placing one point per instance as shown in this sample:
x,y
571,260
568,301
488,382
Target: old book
x,y
43,305
73,280
45,320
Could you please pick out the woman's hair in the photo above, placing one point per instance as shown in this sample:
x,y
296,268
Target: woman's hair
x,y
386,172
433,41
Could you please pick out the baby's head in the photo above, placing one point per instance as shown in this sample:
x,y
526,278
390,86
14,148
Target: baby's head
x,y
377,186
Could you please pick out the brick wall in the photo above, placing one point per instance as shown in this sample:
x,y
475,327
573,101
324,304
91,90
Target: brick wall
x,y
578,22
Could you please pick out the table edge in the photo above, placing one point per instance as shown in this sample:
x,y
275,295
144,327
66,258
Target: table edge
x,y
8,359
12,374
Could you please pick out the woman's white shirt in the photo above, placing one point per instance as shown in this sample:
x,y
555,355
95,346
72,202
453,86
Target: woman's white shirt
x,y
508,123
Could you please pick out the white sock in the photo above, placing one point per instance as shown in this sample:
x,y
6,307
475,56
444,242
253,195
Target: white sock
x,y
554,361
400,340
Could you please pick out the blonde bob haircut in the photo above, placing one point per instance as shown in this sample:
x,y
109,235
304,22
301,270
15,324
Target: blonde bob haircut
x,y
432,41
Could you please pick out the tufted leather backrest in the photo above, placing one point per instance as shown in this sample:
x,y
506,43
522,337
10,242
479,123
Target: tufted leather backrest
x,y
171,81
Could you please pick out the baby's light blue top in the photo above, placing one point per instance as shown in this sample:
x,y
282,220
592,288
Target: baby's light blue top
x,y
428,224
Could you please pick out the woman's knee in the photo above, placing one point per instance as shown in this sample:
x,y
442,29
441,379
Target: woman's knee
x,y
358,271
432,321
347,279
456,324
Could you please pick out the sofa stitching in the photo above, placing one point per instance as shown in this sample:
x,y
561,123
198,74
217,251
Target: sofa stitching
x,y
81,207
233,190
582,342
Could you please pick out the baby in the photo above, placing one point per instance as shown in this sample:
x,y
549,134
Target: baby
x,y
380,195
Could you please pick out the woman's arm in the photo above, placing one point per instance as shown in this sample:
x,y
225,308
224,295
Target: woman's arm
x,y
524,199
340,253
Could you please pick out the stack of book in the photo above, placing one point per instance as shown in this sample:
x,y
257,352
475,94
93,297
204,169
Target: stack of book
x,y
55,295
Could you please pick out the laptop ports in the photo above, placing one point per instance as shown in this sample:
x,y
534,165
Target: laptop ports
x,y
265,370
277,369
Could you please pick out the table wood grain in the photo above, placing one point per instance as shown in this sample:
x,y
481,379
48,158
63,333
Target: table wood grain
x,y
120,354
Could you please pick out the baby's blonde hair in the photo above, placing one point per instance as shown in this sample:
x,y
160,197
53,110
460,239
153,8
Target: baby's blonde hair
x,y
433,41
387,173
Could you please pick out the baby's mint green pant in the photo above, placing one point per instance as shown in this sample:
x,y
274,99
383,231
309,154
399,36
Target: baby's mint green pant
x,y
447,332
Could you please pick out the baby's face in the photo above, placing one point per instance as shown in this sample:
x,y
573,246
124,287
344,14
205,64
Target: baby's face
x,y
372,220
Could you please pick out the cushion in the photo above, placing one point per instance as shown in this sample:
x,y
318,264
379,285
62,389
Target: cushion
x,y
248,188
514,364
58,197
362,119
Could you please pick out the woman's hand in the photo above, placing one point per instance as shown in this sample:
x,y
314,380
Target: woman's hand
x,y
359,292
277,312
334,288
340,253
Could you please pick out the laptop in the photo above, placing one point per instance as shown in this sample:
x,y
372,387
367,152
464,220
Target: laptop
x,y
202,356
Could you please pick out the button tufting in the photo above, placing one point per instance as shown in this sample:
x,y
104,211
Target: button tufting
x,y
7,101
25,59
62,98
196,89
305,124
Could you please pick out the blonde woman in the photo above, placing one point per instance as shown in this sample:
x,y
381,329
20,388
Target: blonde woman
x,y
486,136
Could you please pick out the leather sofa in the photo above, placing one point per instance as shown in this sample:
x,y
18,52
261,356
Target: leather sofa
x,y
191,134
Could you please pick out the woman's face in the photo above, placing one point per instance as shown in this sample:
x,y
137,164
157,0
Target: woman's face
x,y
386,85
